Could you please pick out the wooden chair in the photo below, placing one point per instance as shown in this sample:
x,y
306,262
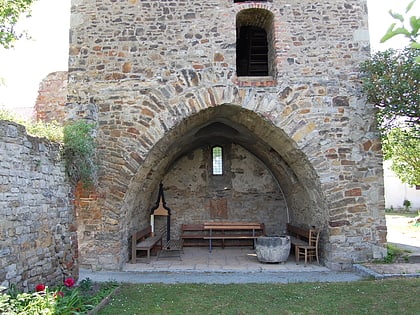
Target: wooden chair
x,y
308,251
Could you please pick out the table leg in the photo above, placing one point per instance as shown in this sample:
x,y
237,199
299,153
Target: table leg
x,y
210,241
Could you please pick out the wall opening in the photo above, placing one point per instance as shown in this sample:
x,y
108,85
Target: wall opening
x,y
255,55
217,160
265,177
251,51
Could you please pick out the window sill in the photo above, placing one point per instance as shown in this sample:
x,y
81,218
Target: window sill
x,y
265,81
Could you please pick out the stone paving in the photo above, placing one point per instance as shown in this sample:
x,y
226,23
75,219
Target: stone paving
x,y
229,265
230,259
240,265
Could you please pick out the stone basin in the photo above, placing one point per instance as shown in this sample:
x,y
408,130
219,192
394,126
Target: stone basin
x,y
272,249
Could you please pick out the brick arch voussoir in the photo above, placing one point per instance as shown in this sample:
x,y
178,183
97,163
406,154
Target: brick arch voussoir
x,y
255,14
195,100
268,6
175,106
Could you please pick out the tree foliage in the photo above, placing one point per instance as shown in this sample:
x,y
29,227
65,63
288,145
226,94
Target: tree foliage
x,y
403,146
10,13
411,33
391,82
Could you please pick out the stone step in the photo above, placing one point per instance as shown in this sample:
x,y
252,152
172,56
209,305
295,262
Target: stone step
x,y
414,258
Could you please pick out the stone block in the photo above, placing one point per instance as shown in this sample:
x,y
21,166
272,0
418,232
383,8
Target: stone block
x,y
414,259
378,252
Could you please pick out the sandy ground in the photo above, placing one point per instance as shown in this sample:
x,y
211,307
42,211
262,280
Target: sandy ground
x,y
401,230
403,234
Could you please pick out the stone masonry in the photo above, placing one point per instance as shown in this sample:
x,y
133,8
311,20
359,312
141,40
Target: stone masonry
x,y
159,79
37,227
52,97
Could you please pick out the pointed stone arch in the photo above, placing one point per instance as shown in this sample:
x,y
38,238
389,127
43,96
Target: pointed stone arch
x,y
289,166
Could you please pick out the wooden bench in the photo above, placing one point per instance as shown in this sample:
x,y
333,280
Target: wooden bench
x,y
144,240
305,242
233,231
194,234
298,235
171,247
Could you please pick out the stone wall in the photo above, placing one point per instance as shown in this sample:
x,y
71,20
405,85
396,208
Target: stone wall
x,y
52,97
37,231
159,79
249,192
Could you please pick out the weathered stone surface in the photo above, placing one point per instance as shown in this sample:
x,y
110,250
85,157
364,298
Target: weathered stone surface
x,y
414,258
52,98
37,245
270,249
160,80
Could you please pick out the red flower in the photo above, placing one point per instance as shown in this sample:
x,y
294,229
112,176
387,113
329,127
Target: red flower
x,y
40,287
69,282
58,294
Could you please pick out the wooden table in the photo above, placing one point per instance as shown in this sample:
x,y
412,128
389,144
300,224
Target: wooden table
x,y
241,230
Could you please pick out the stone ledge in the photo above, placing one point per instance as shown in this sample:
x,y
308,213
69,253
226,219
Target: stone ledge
x,y
266,81
397,272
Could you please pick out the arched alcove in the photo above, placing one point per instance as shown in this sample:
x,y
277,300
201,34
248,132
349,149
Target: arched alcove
x,y
245,133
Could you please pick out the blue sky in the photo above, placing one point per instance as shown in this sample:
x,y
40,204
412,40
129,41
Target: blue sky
x,y
23,67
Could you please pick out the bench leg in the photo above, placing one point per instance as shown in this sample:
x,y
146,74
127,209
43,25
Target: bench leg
x,y
134,256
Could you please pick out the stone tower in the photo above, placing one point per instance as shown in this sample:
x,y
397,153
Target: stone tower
x,y
244,110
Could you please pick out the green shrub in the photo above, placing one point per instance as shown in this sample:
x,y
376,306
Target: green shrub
x,y
79,152
395,253
51,131
407,205
63,300
78,145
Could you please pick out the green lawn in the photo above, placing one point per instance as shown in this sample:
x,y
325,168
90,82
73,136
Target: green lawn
x,y
394,296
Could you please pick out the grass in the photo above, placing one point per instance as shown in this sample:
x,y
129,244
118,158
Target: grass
x,y
394,296
395,254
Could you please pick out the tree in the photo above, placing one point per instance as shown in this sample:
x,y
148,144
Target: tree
x,y
402,30
391,82
404,148
10,13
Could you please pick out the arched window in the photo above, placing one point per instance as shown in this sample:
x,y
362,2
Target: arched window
x,y
217,160
255,55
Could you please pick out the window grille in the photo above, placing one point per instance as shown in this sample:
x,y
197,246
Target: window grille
x,y
252,51
217,160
